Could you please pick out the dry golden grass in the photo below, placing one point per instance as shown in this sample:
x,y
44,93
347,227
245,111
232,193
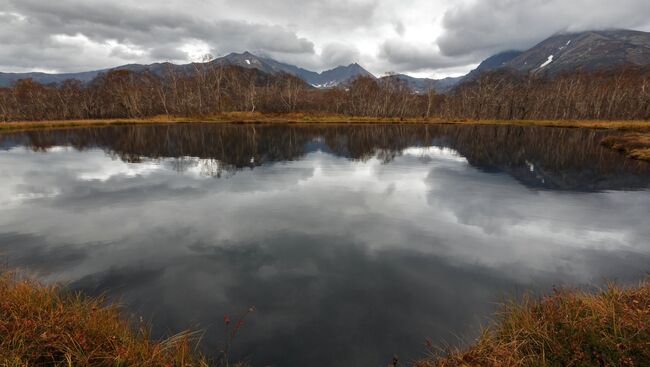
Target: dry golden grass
x,y
309,117
591,124
46,326
36,125
568,328
634,145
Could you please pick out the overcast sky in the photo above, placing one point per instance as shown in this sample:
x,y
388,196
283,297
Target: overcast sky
x,y
421,37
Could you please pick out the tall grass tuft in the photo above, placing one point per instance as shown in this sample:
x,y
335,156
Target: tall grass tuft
x,y
47,326
567,328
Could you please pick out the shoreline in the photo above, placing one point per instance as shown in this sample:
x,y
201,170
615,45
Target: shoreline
x,y
569,327
633,142
307,118
49,324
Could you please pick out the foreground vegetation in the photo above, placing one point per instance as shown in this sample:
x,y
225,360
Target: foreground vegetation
x,y
567,328
46,326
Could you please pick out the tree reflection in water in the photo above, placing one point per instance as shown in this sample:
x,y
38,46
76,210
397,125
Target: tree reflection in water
x,y
541,157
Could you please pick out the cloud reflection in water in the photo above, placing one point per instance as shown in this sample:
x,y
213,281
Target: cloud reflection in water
x,y
351,249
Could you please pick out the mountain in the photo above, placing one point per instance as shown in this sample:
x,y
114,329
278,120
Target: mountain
x,y
341,75
589,51
593,50
447,84
492,63
266,65
6,79
328,78
421,85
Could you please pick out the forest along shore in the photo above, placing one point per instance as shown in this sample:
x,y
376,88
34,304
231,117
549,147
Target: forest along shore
x,y
633,138
616,98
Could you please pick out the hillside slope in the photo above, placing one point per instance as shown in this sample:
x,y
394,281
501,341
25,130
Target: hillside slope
x,y
593,50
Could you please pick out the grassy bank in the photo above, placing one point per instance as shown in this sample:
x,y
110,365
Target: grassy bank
x,y
46,326
634,145
568,328
263,118
633,141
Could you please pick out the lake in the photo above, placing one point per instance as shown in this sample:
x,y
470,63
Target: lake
x,y
354,243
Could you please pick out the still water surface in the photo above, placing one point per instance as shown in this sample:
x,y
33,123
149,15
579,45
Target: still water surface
x,y
354,243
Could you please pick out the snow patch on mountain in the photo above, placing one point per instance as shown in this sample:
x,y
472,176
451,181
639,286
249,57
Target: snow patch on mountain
x,y
548,61
329,84
566,45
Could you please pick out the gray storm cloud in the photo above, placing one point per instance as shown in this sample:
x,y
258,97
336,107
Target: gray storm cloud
x,y
29,33
382,35
488,26
340,54
415,57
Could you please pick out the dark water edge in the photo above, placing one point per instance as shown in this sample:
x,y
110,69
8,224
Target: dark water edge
x,y
540,157
353,242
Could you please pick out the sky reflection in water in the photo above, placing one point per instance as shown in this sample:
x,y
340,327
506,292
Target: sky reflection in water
x,y
354,243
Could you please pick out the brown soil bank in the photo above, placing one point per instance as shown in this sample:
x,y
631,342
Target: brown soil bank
x,y
568,328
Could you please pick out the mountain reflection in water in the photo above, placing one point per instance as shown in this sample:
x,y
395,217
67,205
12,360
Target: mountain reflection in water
x,y
353,242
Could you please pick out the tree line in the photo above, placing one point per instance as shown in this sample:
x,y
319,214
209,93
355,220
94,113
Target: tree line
x,y
207,89
618,94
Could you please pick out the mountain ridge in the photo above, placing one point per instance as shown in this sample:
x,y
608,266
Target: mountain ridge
x,y
421,85
562,52
325,79
588,51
